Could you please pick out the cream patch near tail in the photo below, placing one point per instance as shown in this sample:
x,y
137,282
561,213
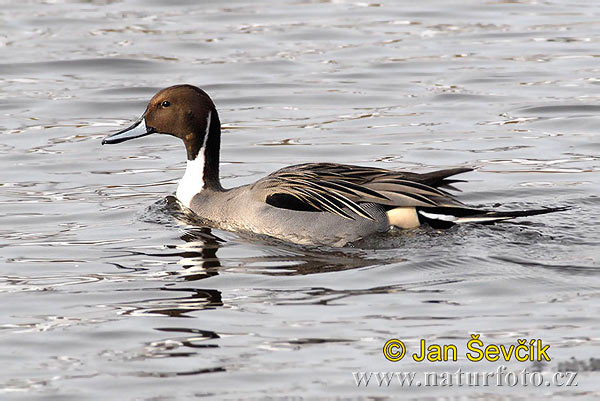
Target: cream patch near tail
x,y
403,217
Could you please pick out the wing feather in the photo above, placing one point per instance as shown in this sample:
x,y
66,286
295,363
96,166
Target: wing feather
x,y
341,189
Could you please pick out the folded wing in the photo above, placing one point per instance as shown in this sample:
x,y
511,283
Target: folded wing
x,y
341,188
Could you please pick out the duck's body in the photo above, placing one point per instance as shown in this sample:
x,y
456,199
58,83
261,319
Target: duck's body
x,y
238,210
265,208
318,203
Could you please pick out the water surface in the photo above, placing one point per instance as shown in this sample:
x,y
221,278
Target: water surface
x,y
104,294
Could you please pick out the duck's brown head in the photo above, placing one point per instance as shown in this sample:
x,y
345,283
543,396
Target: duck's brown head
x,y
183,111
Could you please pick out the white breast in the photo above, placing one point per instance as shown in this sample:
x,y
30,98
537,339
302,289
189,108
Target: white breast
x,y
192,181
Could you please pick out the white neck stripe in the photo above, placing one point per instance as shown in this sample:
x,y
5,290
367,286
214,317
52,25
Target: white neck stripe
x,y
192,181
207,130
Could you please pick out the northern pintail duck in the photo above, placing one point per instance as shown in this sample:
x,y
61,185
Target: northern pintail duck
x,y
312,203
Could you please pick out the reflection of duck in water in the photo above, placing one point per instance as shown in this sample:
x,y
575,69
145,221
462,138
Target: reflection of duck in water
x,y
198,259
316,203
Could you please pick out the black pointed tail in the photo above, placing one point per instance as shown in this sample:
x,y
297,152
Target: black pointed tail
x,y
445,217
493,216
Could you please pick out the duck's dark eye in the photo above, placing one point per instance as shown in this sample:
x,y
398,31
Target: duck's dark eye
x,y
166,103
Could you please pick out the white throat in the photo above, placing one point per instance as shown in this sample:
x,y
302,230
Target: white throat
x,y
192,181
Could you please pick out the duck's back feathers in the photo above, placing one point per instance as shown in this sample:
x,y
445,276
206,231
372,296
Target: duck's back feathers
x,y
410,199
342,189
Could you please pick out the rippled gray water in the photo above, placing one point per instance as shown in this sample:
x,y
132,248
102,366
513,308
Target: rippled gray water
x,y
104,294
